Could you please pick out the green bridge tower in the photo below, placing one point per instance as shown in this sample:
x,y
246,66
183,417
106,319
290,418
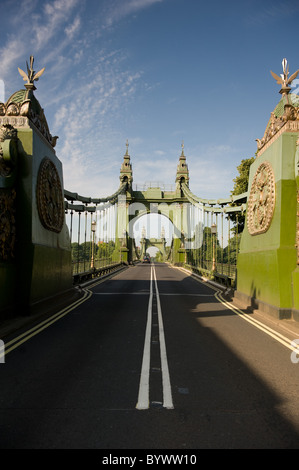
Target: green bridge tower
x,y
268,262
35,253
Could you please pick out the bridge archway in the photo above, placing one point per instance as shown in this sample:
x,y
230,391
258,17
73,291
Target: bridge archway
x,y
152,233
153,226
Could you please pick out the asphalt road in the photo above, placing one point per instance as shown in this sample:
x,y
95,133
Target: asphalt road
x,y
149,359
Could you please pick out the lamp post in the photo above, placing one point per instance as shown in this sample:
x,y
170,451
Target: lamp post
x,y
214,232
93,229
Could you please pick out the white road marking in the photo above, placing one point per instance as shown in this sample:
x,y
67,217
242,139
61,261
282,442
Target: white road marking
x,y
146,293
121,293
22,338
167,395
261,326
143,396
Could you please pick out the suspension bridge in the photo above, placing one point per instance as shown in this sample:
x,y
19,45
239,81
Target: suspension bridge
x,y
197,226
182,349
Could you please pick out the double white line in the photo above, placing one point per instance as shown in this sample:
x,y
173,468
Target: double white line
x,y
143,397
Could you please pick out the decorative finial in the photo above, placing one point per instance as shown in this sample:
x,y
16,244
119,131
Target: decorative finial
x,y
127,146
283,79
31,76
183,146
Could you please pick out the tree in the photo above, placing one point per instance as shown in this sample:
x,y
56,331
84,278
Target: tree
x,y
240,187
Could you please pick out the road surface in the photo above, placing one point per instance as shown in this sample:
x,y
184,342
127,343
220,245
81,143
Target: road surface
x,y
149,359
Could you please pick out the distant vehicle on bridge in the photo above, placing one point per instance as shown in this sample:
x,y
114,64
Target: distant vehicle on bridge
x,y
146,259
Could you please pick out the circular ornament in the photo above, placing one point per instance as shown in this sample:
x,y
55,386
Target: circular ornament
x,y
50,201
261,200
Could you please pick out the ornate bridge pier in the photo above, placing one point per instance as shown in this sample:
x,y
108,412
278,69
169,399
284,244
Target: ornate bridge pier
x,y
35,255
268,262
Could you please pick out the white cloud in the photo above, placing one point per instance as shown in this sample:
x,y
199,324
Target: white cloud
x,y
84,91
273,12
72,29
2,91
85,118
55,14
9,54
122,8
35,29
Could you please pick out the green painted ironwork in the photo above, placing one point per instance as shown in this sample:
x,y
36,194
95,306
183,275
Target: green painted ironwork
x,y
192,244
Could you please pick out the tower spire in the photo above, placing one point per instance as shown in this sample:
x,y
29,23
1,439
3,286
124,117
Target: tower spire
x,y
182,174
182,154
126,173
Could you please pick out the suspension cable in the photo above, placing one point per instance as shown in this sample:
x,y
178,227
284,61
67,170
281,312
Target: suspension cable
x,y
88,200
209,204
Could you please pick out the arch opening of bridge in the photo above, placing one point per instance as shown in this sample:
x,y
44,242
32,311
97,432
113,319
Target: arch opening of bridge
x,y
153,235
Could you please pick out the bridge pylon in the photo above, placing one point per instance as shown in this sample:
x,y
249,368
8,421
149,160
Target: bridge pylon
x,y
35,254
123,251
268,262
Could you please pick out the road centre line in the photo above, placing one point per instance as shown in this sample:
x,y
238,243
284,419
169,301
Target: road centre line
x,y
167,395
160,294
143,396
121,293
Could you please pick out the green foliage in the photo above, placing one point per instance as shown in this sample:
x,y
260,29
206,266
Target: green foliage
x,y
230,252
83,252
241,181
159,257
240,187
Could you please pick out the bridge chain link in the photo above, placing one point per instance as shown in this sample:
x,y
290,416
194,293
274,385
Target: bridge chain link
x,y
208,204
69,196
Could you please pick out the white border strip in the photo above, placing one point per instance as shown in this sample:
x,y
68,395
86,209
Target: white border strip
x,y
261,326
16,342
292,345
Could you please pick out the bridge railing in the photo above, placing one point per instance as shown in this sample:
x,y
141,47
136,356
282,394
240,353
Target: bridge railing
x,y
91,223
215,256
211,248
154,184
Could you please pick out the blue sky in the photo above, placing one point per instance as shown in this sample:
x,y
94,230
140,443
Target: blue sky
x,y
155,72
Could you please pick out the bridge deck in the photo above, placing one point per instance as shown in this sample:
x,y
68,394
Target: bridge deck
x,y
150,358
